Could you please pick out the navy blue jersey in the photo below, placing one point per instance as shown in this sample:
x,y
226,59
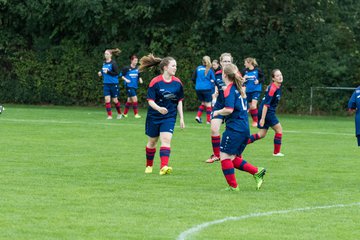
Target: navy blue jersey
x,y
354,103
219,84
238,120
202,81
165,94
252,75
131,74
271,98
112,74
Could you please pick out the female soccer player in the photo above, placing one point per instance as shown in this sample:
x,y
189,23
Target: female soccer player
x,y
216,67
165,95
267,111
110,73
354,103
131,76
216,122
254,77
204,77
236,135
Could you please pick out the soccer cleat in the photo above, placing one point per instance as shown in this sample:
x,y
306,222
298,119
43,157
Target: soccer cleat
x,y
119,116
198,120
232,189
125,115
165,170
254,124
212,159
109,118
148,169
278,154
259,177
137,116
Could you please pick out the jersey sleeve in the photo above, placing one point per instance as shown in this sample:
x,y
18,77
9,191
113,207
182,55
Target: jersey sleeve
x,y
261,76
229,95
125,71
115,69
181,93
151,93
269,95
352,101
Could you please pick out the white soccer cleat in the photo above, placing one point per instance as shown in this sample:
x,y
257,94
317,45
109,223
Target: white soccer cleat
x,y
278,154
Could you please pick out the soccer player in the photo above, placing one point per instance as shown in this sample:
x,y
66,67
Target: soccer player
x,y
216,122
354,104
254,77
236,135
216,67
165,95
131,77
110,73
267,110
204,77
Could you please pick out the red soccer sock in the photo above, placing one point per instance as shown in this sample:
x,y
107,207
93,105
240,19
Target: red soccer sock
x,y
135,106
277,142
253,138
208,114
118,107
200,111
127,106
242,165
229,172
150,153
215,141
164,156
108,109
254,114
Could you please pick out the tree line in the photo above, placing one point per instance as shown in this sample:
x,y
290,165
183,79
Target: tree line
x,y
50,51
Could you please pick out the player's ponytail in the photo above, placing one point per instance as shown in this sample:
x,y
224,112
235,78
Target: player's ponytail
x,y
115,51
233,74
150,61
207,62
252,61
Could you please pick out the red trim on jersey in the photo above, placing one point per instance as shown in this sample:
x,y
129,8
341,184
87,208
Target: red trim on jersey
x,y
227,90
160,78
273,89
219,71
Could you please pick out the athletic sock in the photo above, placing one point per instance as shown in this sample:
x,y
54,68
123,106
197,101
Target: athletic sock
x,y
200,111
229,172
118,107
135,106
208,113
254,114
215,141
164,156
127,106
277,142
242,165
108,109
253,138
150,153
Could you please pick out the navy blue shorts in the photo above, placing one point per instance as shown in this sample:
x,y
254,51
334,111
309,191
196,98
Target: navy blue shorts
x,y
131,92
217,106
111,90
204,95
253,96
270,120
153,128
233,143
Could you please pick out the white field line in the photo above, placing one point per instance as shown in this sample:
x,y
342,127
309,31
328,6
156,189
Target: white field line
x,y
123,122
202,226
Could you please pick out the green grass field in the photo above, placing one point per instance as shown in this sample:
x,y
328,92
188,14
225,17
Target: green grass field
x,y
67,173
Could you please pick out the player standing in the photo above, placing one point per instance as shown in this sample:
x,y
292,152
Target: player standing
x,y
354,103
236,135
110,72
165,95
131,76
267,110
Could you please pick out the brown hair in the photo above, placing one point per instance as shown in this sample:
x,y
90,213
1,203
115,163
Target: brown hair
x,y
233,74
152,61
115,51
252,61
273,72
224,55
